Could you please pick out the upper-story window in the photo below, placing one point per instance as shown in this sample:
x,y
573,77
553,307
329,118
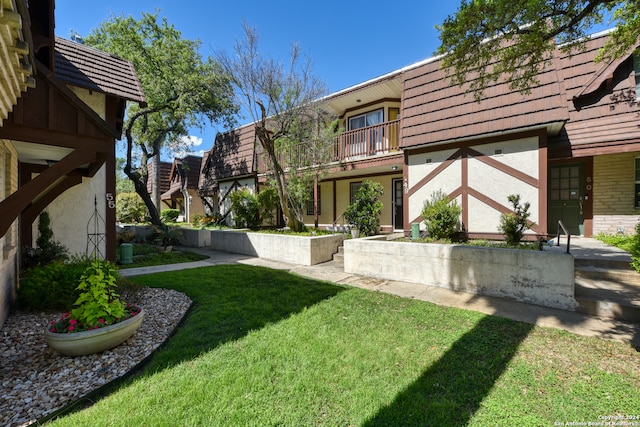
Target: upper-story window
x,y
367,119
636,68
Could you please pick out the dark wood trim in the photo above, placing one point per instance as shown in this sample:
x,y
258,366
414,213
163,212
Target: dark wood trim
x,y
442,166
369,104
17,202
588,192
475,141
110,214
30,214
502,167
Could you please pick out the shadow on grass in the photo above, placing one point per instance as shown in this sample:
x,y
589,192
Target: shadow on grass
x,y
229,302
453,388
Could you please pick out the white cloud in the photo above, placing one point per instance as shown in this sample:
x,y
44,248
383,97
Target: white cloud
x,y
189,143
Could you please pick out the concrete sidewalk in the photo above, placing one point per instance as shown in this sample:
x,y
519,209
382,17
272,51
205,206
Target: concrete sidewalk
x,y
332,271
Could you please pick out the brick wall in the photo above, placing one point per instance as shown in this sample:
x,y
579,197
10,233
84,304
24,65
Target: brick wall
x,y
613,193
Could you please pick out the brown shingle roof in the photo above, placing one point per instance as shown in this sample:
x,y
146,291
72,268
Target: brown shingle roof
x,y
90,68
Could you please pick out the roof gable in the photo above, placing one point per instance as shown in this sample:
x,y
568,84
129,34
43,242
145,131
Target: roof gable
x,y
90,68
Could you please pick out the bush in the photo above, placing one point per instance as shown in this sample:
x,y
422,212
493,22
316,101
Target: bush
x,y
47,250
364,212
51,286
514,224
441,216
169,215
634,249
268,203
245,208
130,208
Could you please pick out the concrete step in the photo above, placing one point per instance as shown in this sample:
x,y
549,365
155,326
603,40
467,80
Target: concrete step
x,y
338,257
610,294
603,262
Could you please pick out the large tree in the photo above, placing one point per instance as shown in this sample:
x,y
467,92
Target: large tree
x,y
488,40
183,90
281,100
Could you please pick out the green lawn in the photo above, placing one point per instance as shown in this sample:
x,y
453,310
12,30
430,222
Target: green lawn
x,y
264,347
147,255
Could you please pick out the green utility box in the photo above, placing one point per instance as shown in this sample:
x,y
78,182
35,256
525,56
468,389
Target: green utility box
x,y
415,230
126,253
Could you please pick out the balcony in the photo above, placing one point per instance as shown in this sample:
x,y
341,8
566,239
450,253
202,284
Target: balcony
x,y
349,146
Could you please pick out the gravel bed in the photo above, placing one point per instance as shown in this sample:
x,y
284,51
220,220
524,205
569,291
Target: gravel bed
x,y
36,381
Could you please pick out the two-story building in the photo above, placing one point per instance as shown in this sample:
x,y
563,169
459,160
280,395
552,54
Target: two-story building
x,y
63,109
570,148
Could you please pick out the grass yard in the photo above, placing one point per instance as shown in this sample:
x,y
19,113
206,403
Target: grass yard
x,y
147,255
264,347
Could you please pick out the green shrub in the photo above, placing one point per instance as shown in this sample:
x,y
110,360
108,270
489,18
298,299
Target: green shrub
x,y
245,208
47,250
98,301
169,215
365,210
51,286
268,203
441,216
130,208
634,249
514,224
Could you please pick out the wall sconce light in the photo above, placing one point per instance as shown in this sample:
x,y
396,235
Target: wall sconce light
x,y
394,168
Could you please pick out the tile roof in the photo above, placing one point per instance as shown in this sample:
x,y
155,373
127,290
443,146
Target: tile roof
x,y
90,68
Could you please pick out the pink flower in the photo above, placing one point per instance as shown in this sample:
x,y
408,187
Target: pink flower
x,y
71,328
73,321
101,320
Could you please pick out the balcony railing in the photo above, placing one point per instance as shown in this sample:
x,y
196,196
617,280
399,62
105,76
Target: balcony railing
x,y
369,141
350,146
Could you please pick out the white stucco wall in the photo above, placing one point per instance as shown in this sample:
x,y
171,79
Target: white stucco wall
x,y
73,209
95,100
492,183
225,205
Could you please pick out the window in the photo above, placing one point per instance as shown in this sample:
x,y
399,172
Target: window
x,y
353,190
636,68
636,196
310,210
364,120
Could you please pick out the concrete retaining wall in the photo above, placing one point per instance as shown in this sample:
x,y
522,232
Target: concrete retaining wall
x,y
535,277
300,250
195,238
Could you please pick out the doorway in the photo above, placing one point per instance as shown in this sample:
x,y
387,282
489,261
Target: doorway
x,y
566,198
398,205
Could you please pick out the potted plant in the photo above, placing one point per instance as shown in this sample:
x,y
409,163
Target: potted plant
x,y
364,213
100,321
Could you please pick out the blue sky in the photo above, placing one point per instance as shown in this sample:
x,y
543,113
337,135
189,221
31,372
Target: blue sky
x,y
348,41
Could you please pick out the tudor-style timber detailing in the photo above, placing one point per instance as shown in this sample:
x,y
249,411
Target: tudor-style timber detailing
x,y
466,175
415,133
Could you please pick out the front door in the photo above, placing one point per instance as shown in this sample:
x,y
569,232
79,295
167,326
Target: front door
x,y
566,198
398,209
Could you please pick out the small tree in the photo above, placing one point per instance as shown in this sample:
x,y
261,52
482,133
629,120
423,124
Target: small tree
x,y
514,224
183,90
365,210
130,208
441,216
245,208
289,124
47,250
268,203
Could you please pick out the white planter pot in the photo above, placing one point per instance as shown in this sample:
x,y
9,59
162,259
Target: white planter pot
x,y
96,340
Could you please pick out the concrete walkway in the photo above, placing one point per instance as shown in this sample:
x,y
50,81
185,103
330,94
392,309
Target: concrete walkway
x,y
332,271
